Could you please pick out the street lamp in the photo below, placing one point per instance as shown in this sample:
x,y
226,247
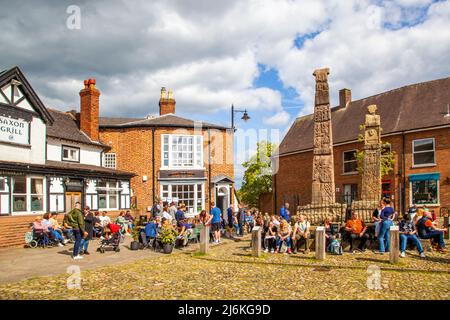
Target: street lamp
x,y
245,116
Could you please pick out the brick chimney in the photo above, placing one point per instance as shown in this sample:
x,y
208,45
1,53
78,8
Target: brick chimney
x,y
89,109
166,102
345,97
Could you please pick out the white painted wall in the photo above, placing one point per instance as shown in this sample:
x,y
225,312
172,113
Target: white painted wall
x,y
35,154
88,154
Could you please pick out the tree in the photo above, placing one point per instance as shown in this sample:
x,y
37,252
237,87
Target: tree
x,y
258,174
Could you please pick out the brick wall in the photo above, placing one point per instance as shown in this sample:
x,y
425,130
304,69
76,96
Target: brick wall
x,y
294,177
133,148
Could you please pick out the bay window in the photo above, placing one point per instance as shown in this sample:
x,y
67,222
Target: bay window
x,y
182,151
192,195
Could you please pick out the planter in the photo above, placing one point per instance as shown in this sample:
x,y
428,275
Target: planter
x,y
167,248
134,245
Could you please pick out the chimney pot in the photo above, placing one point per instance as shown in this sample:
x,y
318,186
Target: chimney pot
x,y
345,97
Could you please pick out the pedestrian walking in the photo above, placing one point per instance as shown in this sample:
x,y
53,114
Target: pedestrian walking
x,y
76,221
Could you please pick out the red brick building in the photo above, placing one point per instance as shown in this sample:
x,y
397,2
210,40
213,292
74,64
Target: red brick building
x,y
416,123
174,158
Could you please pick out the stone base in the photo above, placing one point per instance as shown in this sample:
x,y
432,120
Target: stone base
x,y
365,209
316,214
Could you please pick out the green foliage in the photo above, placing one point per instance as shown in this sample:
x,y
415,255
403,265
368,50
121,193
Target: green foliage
x,y
387,156
167,235
258,174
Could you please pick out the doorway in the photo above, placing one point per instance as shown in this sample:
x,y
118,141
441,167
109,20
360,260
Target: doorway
x,y
222,199
71,199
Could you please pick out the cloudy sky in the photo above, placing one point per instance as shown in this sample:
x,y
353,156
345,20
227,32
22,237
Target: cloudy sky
x,y
257,54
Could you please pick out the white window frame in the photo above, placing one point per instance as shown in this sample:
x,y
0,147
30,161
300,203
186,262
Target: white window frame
x,y
28,195
414,152
107,190
425,204
344,162
196,158
105,160
196,208
69,148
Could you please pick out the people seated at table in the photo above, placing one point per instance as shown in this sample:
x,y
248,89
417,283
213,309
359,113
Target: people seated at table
x,y
408,233
427,230
123,223
301,234
149,233
284,237
184,232
166,214
356,229
130,219
104,219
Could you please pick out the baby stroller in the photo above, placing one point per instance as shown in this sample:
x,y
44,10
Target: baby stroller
x,y
112,241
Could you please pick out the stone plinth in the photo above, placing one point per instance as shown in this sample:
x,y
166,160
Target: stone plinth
x,y
256,242
204,240
320,243
394,250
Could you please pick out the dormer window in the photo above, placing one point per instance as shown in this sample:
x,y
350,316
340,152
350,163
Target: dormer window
x,y
71,154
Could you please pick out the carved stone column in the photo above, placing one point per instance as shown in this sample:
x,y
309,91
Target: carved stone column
x,y
323,190
371,174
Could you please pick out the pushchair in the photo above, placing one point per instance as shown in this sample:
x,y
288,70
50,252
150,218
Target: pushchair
x,y
112,241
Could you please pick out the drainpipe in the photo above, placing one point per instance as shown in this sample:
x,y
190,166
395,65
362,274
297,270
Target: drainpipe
x,y
153,166
403,177
209,168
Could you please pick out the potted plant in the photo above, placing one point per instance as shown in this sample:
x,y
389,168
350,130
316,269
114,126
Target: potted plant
x,y
134,245
167,238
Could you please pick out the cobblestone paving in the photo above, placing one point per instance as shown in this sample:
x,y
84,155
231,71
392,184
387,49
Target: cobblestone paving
x,y
228,272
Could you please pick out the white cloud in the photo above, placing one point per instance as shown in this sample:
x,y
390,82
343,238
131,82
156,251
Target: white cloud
x,y
277,120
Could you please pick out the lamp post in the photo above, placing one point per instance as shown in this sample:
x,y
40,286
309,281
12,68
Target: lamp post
x,y
245,116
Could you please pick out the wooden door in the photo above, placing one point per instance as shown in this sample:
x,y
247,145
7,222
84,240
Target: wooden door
x,y
71,199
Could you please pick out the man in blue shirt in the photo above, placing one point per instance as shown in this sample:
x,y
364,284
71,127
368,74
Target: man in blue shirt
x,y
179,215
284,212
215,221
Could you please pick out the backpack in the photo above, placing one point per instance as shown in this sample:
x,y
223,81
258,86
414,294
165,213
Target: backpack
x,y
335,247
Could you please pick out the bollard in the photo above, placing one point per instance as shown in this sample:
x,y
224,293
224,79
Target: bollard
x,y
256,242
394,251
320,243
204,240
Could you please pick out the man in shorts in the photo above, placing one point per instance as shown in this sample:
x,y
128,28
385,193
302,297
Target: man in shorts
x,y
214,220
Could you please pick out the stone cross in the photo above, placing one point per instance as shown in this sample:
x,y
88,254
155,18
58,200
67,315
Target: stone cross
x,y
204,240
320,243
256,242
394,250
323,190
371,173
